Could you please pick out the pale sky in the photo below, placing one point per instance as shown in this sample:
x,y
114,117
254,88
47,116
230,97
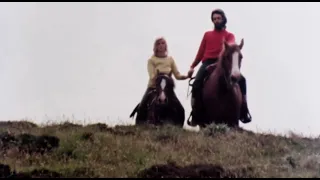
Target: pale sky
x,y
88,61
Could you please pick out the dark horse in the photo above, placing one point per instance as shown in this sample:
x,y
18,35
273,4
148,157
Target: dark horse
x,y
221,95
163,106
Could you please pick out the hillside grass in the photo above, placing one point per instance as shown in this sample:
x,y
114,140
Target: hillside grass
x,y
130,151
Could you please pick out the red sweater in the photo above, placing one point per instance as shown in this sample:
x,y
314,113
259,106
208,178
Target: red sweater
x,y
211,45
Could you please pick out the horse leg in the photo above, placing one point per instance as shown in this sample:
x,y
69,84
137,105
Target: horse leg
x,y
245,116
141,115
177,111
155,115
179,115
233,121
160,116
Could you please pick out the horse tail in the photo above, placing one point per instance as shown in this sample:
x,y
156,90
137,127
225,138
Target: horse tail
x,y
134,110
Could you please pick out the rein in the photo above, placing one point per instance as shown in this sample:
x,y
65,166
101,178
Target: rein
x,y
188,93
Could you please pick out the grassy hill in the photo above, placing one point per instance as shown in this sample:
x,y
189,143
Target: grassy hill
x,y
128,151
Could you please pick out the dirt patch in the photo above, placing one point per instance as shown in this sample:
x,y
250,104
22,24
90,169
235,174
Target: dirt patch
x,y
17,125
172,170
6,172
40,173
98,126
65,126
117,130
28,143
87,136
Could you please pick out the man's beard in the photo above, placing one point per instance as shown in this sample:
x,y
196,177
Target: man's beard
x,y
219,26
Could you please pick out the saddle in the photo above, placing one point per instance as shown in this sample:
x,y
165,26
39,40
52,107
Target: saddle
x,y
208,71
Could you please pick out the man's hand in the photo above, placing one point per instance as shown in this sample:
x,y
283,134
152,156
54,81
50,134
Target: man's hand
x,y
190,72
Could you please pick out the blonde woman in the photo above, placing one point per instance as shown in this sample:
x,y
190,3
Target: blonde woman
x,y
160,62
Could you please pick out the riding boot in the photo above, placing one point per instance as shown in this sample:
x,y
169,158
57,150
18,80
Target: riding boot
x,y
245,114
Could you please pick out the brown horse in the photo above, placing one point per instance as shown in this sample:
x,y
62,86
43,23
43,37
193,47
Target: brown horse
x,y
163,106
221,95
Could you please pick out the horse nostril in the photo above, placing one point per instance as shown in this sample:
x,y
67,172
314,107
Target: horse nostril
x,y
162,101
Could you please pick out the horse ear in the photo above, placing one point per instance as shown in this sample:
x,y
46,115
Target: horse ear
x,y
241,44
170,74
158,72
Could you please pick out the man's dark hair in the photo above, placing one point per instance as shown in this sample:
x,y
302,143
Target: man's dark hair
x,y
221,12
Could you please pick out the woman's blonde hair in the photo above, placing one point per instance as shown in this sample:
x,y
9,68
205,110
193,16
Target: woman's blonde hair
x,y
155,45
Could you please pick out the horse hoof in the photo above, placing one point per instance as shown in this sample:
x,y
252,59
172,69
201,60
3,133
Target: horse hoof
x,y
191,124
245,121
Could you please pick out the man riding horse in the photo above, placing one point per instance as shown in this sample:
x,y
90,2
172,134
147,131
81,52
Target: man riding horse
x,y
210,48
159,62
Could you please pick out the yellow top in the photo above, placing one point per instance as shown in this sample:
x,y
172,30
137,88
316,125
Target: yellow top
x,y
164,65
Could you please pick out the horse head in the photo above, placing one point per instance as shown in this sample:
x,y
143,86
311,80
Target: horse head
x,y
164,87
230,61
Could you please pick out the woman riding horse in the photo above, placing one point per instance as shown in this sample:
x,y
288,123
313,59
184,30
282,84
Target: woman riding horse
x,y
162,63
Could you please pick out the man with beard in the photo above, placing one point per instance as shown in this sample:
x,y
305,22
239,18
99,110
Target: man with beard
x,y
209,51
